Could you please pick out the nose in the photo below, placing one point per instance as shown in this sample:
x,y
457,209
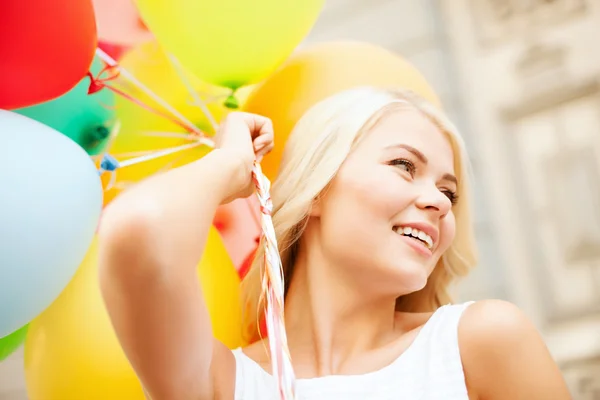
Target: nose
x,y
431,199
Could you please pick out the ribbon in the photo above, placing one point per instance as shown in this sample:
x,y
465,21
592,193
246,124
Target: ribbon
x,y
273,292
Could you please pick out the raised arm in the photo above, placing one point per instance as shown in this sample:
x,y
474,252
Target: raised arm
x,y
151,239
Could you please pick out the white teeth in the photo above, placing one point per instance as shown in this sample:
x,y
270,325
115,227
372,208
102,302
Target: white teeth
x,y
408,231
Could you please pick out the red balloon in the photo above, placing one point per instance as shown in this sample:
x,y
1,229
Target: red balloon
x,y
247,263
238,225
46,48
116,51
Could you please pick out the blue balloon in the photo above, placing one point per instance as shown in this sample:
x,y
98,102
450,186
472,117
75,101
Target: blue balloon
x,y
50,205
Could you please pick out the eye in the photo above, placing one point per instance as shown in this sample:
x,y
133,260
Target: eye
x,y
452,196
404,164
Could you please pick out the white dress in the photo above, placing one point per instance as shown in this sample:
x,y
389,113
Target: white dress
x,y
430,369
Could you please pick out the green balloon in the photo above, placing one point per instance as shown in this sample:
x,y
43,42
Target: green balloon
x,y
85,118
10,343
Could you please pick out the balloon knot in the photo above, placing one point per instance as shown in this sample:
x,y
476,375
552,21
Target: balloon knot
x,y
98,83
108,163
95,85
232,102
100,132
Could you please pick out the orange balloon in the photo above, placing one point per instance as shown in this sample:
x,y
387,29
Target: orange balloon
x,y
320,71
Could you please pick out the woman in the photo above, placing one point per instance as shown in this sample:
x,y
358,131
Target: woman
x,y
372,219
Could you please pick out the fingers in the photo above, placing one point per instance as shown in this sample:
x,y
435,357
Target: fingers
x,y
259,127
261,131
257,124
263,144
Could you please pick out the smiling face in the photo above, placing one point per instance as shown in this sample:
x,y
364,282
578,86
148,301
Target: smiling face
x,y
386,219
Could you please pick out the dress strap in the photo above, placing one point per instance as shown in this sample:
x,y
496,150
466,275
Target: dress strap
x,y
250,378
439,346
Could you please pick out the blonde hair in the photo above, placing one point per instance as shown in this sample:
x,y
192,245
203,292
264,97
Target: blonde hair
x,y
316,148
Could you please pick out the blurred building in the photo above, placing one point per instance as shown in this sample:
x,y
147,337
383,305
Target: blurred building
x,y
521,80
528,79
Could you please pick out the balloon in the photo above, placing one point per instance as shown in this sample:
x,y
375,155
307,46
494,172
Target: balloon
x,y
319,71
150,65
49,209
116,51
230,43
238,224
10,343
72,352
46,48
247,263
87,119
119,22
221,287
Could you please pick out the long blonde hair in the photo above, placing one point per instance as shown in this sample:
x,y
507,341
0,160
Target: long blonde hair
x,y
316,148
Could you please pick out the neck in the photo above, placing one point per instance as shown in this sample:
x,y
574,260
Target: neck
x,y
329,319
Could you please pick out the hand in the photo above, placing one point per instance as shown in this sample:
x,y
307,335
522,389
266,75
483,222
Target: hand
x,y
243,138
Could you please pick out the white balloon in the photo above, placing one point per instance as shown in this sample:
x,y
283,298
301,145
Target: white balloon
x,y
50,205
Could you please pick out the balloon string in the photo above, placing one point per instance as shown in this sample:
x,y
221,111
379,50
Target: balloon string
x,y
197,100
111,164
273,292
165,152
183,121
97,83
176,135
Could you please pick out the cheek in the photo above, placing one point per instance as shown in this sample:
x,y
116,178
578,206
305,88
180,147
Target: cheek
x,y
356,213
447,232
373,193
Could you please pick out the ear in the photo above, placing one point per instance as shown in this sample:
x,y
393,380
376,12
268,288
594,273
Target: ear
x,y
315,209
316,206
318,203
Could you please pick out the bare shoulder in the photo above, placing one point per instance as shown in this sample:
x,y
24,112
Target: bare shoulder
x,y
504,355
496,321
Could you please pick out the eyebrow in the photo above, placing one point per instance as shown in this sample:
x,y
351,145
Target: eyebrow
x,y
423,159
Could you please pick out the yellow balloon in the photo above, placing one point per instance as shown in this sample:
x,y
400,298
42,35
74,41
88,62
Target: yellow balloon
x,y
230,43
143,131
71,350
221,287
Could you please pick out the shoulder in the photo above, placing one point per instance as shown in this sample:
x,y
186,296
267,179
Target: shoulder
x,y
504,356
491,330
496,322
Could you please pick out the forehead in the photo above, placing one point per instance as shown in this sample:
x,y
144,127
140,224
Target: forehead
x,y
410,127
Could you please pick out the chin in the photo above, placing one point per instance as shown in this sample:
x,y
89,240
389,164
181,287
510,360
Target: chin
x,y
406,278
